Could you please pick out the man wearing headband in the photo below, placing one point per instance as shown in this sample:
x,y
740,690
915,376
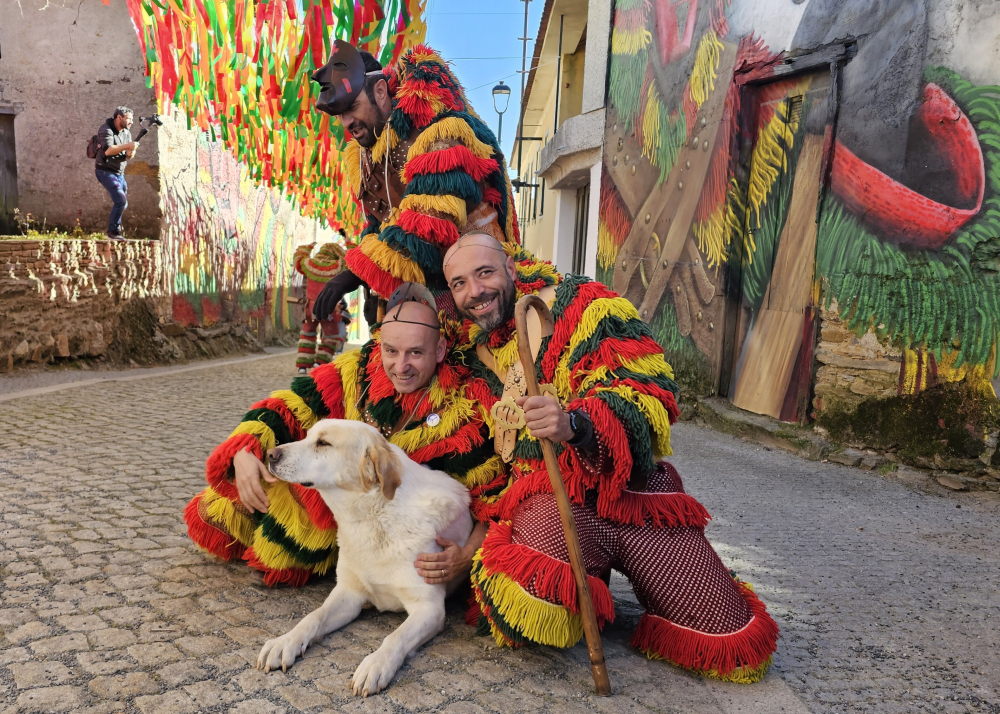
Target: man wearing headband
x,y
421,165
401,383
608,413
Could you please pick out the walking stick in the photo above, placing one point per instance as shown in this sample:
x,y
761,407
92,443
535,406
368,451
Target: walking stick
x,y
587,614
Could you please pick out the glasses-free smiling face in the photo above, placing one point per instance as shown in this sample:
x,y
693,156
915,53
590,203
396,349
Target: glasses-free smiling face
x,y
411,352
481,279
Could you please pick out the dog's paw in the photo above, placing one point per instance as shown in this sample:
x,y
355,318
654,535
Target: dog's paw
x,y
374,673
280,651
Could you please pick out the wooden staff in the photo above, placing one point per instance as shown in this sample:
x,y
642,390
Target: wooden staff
x,y
380,310
586,602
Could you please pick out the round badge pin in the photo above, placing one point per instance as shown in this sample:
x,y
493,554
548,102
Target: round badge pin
x,y
433,420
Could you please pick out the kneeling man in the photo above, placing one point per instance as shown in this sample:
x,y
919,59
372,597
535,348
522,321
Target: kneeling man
x,y
401,383
610,425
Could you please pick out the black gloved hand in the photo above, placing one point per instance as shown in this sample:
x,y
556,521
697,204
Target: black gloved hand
x,y
371,308
333,292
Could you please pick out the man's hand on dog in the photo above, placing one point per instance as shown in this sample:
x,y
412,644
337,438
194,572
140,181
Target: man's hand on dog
x,y
453,562
545,418
443,567
249,471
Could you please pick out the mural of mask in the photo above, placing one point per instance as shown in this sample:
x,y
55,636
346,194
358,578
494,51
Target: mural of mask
x,y
784,184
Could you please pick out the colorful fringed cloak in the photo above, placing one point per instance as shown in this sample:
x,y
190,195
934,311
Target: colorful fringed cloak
x,y
601,359
317,270
632,512
453,172
296,538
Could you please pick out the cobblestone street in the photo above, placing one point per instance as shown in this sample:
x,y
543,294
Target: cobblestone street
x,y
886,596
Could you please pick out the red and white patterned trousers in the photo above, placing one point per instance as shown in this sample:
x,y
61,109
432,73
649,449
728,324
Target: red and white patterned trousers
x,y
697,614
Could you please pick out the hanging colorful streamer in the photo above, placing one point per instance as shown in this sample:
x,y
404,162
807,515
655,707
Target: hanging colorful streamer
x,y
240,69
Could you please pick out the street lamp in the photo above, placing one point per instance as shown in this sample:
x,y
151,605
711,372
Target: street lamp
x,y
501,97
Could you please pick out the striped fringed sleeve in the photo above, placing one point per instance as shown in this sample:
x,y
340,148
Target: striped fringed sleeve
x,y
603,360
296,537
283,417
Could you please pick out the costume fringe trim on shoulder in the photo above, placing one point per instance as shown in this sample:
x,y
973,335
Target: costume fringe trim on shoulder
x,y
449,131
351,164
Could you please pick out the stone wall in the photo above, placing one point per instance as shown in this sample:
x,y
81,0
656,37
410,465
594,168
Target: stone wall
x,y
62,298
851,369
71,64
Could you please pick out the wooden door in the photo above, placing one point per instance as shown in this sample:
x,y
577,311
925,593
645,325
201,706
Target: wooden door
x,y
779,249
8,176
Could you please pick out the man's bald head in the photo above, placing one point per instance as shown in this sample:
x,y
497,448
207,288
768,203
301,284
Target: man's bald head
x,y
474,239
412,312
412,345
480,276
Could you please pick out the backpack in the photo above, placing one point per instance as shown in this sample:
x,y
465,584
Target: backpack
x,y
93,146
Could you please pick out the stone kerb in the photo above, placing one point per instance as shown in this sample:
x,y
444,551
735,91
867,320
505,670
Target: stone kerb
x,y
61,298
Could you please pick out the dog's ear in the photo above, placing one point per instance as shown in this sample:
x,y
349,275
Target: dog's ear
x,y
380,465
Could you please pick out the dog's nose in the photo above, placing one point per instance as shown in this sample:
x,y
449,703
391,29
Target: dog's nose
x,y
274,455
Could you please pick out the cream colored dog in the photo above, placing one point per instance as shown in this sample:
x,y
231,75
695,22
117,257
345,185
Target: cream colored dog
x,y
388,509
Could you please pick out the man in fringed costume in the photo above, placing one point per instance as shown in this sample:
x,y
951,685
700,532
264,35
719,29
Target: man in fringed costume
x,y
610,424
317,270
398,382
420,162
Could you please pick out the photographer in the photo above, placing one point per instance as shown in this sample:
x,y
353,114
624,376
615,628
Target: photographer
x,y
115,147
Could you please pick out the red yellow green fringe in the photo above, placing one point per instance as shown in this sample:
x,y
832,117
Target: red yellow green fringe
x,y
502,574
327,262
453,163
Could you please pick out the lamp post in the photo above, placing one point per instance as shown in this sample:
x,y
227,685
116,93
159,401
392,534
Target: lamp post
x,y
501,96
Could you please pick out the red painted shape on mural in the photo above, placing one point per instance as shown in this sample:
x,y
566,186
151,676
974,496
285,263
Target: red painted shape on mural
x,y
900,213
211,309
672,45
182,312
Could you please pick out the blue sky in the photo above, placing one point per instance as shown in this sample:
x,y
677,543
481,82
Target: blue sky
x,y
483,48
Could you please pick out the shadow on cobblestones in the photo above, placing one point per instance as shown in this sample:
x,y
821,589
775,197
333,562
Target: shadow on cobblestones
x,y
106,606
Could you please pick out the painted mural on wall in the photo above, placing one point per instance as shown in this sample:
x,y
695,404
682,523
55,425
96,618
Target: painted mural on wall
x,y
737,204
228,243
237,74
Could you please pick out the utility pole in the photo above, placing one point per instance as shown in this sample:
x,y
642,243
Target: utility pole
x,y
555,121
524,60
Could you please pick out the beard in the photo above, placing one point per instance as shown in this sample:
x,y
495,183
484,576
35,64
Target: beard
x,y
501,312
367,137
367,134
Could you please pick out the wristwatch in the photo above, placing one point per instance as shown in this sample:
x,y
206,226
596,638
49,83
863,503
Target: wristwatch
x,y
583,428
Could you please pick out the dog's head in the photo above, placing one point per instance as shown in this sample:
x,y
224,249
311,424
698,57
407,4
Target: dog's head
x,y
339,454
